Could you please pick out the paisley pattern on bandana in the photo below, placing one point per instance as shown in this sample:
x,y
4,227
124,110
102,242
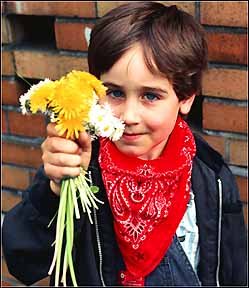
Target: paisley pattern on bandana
x,y
148,198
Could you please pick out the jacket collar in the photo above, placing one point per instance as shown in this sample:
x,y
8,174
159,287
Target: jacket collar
x,y
208,155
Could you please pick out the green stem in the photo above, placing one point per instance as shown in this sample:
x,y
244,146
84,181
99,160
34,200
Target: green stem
x,y
84,182
58,225
91,197
70,235
84,196
65,263
60,238
84,200
74,190
65,220
52,219
68,215
20,76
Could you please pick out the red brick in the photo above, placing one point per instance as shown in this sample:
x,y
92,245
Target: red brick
x,y
225,83
223,47
4,122
71,36
32,176
105,6
15,177
9,200
245,210
216,142
186,6
43,283
8,63
21,154
11,91
238,152
222,117
64,8
5,284
8,277
36,64
27,125
242,185
224,13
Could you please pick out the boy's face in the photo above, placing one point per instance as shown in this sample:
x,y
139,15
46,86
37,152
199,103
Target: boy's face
x,y
147,103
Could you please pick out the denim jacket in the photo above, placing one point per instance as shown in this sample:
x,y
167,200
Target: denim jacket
x,y
175,269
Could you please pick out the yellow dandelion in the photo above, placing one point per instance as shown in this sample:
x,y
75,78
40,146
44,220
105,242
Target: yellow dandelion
x,y
39,95
91,80
99,88
72,98
71,127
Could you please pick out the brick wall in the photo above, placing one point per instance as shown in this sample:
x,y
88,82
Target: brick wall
x,y
48,39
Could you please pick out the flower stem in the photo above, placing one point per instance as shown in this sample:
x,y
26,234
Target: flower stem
x,y
69,237
73,193
20,76
59,224
61,231
65,220
86,186
50,223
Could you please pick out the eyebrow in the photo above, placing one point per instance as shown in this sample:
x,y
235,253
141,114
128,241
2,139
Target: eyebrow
x,y
143,88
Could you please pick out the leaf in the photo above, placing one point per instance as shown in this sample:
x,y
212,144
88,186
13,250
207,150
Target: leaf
x,y
94,189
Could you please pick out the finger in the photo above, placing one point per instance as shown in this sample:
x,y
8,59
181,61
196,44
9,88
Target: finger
x,y
57,181
55,172
51,131
56,188
84,141
62,159
57,144
86,145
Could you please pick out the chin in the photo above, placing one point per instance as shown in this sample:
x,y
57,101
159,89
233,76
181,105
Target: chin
x,y
130,152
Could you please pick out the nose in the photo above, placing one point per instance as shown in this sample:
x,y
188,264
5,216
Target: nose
x,y
130,112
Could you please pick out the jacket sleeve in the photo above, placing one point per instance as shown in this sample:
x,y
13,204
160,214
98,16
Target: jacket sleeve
x,y
233,270
26,238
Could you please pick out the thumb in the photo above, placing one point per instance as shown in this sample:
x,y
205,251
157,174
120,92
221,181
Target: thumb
x,y
85,142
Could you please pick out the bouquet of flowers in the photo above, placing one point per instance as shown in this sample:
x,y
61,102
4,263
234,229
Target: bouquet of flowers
x,y
72,102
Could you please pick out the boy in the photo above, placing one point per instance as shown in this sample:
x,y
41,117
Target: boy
x,y
172,215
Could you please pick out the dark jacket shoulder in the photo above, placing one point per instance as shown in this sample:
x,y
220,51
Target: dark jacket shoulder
x,y
207,154
215,162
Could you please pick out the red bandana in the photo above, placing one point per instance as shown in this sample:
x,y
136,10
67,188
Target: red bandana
x,y
148,199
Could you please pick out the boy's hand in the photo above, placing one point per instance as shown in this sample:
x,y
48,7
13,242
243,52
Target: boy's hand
x,y
63,157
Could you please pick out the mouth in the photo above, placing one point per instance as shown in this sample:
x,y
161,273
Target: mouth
x,y
132,136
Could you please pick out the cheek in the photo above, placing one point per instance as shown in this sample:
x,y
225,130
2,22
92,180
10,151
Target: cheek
x,y
116,108
164,121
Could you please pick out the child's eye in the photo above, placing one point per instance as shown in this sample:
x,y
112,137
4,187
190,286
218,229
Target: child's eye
x,y
151,96
115,93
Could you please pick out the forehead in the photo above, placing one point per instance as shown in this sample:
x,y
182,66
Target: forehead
x,y
132,67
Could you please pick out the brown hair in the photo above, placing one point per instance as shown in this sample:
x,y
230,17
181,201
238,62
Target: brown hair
x,y
173,42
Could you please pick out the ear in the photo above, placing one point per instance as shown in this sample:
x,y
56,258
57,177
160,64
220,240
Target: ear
x,y
186,104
